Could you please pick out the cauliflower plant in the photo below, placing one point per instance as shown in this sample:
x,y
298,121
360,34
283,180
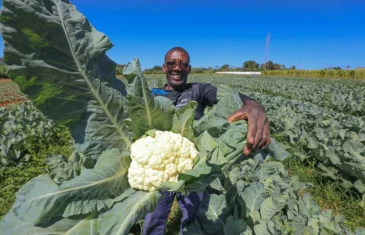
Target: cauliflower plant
x,y
160,159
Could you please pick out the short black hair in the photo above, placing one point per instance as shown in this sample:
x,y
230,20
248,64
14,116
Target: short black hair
x,y
178,49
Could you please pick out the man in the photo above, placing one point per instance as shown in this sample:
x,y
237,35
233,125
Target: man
x,y
177,68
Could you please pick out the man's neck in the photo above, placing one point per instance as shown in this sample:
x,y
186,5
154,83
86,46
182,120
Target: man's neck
x,y
169,88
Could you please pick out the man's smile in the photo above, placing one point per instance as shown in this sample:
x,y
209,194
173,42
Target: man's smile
x,y
176,77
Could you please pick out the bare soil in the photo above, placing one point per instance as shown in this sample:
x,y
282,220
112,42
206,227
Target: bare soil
x,y
15,101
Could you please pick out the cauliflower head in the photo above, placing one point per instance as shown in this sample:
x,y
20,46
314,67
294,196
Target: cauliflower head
x,y
159,159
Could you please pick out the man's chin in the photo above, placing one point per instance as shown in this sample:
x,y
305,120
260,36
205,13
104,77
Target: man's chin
x,y
177,85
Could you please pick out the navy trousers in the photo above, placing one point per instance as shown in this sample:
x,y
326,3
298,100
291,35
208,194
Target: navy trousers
x,y
155,222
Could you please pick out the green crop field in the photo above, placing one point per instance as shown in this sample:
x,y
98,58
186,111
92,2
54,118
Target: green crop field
x,y
320,123
318,74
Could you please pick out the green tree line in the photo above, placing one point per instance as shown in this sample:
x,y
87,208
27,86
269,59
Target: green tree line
x,y
249,65
269,68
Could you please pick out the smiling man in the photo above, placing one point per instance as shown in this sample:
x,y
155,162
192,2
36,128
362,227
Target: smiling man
x,y
177,67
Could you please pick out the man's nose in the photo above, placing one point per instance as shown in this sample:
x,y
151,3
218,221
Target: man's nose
x,y
177,66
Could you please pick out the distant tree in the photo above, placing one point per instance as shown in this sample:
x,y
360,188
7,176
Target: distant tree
x,y
154,70
292,67
337,68
156,67
268,65
250,65
197,70
277,66
225,67
347,67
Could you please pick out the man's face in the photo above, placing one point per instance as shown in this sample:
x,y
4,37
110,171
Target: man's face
x,y
177,68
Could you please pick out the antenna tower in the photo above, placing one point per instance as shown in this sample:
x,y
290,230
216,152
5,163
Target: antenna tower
x,y
267,50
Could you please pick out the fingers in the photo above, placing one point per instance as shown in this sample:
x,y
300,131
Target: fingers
x,y
232,118
267,144
259,135
238,115
266,136
252,124
246,151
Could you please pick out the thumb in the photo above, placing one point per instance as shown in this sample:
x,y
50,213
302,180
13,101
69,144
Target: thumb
x,y
238,115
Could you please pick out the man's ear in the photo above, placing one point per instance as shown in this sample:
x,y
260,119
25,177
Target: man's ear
x,y
189,68
164,68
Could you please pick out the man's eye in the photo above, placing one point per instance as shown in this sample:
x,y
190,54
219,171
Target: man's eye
x,y
171,63
184,64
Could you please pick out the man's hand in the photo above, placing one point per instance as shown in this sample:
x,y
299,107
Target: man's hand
x,y
258,136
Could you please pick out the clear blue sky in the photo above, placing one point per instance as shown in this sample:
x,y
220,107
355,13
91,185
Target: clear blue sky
x,y
310,34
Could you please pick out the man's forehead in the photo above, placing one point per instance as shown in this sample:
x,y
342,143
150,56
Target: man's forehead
x,y
177,55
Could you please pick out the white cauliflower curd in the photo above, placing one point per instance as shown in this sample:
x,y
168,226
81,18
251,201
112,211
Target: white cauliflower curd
x,y
159,159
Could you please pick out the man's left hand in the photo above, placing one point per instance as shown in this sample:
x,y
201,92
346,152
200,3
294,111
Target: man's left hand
x,y
258,135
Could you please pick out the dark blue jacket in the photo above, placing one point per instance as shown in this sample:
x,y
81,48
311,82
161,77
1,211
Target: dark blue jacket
x,y
204,94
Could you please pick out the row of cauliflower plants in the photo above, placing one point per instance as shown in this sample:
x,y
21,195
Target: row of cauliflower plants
x,y
343,96
336,141
109,120
24,127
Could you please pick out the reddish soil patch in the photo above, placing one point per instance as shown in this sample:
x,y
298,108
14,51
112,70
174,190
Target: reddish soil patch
x,y
4,80
7,103
13,91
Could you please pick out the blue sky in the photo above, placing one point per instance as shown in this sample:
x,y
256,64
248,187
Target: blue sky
x,y
310,34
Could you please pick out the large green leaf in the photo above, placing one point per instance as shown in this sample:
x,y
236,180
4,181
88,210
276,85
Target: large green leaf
x,y
120,219
210,217
214,121
78,225
106,127
41,200
146,112
276,150
62,169
253,196
58,59
215,157
328,224
265,227
212,213
208,166
215,126
236,227
184,119
229,102
268,208
202,174
232,142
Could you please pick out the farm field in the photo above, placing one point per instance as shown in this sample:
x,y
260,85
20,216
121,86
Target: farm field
x,y
27,137
326,146
324,119
322,124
